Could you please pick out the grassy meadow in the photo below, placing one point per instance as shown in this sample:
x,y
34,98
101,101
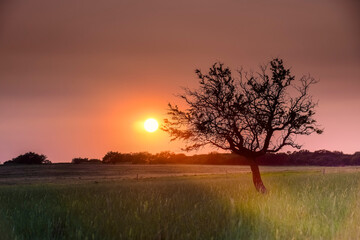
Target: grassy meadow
x,y
305,204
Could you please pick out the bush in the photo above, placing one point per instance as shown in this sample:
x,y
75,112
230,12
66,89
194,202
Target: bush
x,y
29,158
113,157
136,158
94,160
79,160
85,160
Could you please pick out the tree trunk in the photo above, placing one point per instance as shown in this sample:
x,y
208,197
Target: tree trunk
x,y
259,185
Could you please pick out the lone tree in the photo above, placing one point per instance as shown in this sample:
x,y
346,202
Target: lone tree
x,y
29,158
257,113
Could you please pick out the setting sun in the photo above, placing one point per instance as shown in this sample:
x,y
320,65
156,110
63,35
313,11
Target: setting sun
x,y
151,125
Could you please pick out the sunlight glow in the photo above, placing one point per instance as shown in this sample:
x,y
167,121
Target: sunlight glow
x,y
151,125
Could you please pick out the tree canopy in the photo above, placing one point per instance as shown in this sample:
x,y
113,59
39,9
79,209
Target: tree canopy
x,y
29,158
254,114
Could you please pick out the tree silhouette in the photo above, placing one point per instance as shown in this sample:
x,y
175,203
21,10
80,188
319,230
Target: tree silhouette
x,y
113,157
256,114
29,158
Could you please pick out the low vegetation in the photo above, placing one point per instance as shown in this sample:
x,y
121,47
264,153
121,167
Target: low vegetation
x,y
296,158
85,160
29,158
307,205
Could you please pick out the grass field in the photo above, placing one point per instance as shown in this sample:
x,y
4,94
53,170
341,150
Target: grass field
x,y
303,203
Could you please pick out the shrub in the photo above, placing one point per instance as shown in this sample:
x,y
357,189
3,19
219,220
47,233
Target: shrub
x,y
79,160
29,158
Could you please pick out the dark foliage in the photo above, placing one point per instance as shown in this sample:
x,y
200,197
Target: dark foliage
x,y
116,157
254,115
94,160
297,158
113,157
29,158
317,158
80,160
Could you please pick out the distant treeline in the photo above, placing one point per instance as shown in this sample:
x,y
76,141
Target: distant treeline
x,y
303,157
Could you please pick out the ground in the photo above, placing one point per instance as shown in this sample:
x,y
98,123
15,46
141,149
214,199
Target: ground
x,y
177,202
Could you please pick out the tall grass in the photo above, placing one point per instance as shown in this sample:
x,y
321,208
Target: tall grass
x,y
298,206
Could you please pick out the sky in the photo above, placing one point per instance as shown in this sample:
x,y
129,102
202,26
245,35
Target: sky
x,y
78,78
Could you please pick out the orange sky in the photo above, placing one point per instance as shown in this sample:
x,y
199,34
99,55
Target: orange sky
x,y
77,77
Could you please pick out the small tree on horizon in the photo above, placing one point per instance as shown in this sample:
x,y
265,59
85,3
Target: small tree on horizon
x,y
29,158
256,114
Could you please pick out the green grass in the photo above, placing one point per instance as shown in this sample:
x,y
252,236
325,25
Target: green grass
x,y
309,205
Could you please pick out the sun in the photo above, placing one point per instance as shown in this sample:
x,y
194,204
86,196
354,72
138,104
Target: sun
x,y
151,125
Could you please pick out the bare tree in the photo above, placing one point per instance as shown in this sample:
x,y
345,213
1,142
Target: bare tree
x,y
257,113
